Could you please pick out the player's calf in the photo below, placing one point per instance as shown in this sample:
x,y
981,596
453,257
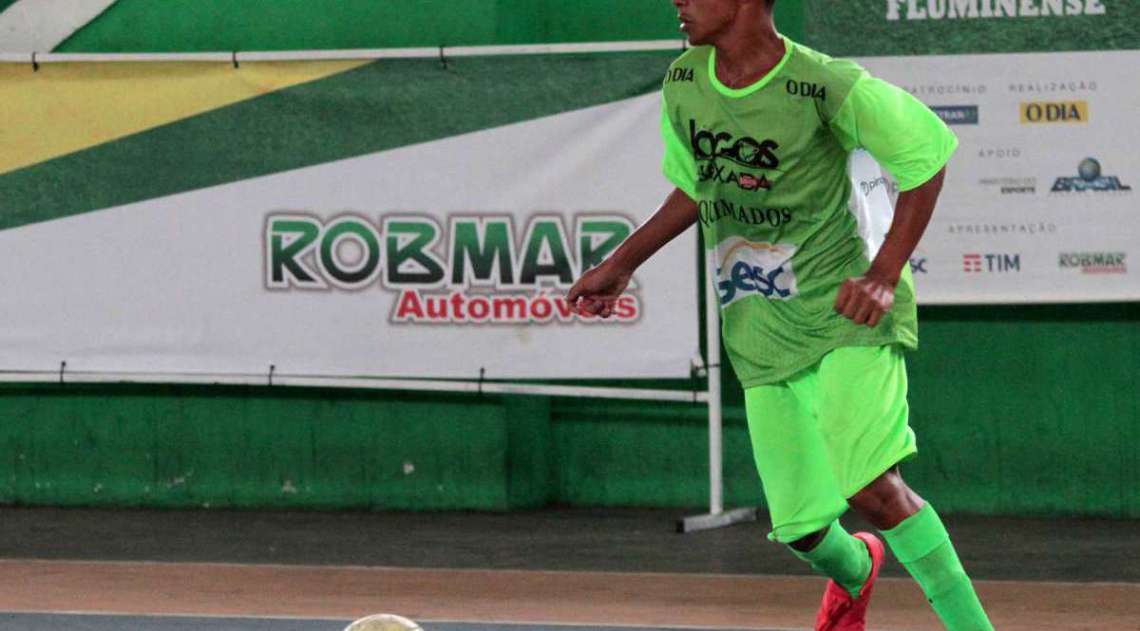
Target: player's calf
x,y
920,542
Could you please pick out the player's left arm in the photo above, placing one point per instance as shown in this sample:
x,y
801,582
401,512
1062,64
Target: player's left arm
x,y
914,145
865,299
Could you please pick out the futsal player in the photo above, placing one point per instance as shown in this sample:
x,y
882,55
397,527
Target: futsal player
x,y
758,131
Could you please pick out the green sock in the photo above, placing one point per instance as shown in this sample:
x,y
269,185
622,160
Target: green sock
x,y
922,545
840,557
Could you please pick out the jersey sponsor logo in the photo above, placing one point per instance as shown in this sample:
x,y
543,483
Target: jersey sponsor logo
x,y
1055,112
1094,262
722,174
974,263
747,268
971,9
805,88
717,149
745,151
957,114
710,212
679,75
869,186
1089,178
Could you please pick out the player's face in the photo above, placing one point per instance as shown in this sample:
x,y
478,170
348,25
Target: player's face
x,y
704,20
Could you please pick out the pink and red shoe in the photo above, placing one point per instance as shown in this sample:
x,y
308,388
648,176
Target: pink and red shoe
x,y
839,612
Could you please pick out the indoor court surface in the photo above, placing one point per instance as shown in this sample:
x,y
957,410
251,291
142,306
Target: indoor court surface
x,y
527,571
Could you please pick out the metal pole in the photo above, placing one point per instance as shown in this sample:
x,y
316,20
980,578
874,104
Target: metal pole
x,y
717,517
712,365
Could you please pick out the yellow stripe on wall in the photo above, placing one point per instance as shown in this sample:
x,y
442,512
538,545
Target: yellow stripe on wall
x,y
66,107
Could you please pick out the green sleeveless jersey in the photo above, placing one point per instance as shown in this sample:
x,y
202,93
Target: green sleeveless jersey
x,y
769,166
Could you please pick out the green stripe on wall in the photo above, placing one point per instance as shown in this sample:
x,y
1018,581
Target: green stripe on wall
x,y
383,105
197,25
4,4
208,25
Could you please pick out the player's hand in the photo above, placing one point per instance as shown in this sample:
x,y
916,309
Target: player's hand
x,y
865,299
598,289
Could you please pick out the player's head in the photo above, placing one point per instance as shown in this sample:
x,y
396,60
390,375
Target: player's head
x,y
706,20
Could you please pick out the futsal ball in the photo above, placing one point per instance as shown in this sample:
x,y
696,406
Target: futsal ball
x,y
383,622
1089,169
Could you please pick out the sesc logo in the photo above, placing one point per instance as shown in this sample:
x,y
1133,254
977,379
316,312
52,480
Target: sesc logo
x,y
990,263
1055,112
1089,178
746,268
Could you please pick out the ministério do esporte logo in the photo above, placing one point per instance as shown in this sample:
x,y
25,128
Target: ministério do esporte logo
x,y
473,272
1089,178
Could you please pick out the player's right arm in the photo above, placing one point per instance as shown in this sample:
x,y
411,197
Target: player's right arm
x,y
599,288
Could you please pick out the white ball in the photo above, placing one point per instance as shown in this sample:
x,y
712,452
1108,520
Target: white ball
x,y
384,622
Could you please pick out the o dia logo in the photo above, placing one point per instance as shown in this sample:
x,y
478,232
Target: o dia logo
x,y
1055,112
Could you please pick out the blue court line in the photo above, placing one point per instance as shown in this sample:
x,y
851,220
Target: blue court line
x,y
110,622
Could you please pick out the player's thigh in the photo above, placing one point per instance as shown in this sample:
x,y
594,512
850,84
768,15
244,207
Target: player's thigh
x,y
863,413
792,460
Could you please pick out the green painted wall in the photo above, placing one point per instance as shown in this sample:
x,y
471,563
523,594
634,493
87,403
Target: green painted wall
x,y
211,25
1019,410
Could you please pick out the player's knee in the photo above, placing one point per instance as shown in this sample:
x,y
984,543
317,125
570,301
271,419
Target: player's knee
x,y
886,501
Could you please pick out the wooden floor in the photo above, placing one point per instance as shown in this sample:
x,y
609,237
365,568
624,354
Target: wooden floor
x,y
528,596
288,571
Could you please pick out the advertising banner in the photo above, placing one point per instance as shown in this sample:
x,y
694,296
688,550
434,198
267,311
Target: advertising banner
x,y
388,219
1040,201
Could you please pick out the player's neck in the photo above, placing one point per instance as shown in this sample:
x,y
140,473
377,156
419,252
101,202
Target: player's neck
x,y
748,51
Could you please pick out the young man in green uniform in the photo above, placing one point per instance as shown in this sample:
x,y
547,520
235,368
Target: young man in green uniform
x,y
758,133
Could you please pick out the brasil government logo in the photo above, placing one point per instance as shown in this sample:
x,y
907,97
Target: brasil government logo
x,y
1089,178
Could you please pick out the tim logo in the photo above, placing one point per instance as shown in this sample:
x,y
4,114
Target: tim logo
x,y
746,268
991,263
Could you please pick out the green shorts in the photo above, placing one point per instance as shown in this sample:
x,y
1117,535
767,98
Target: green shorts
x,y
827,432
